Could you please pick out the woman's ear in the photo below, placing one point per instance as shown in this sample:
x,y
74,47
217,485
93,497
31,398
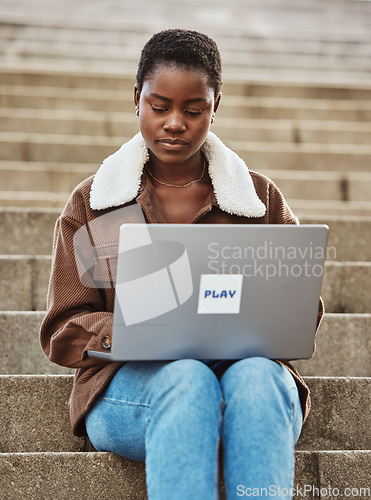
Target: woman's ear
x,y
217,102
136,95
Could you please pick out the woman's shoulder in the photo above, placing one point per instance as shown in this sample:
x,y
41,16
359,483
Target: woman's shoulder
x,y
78,203
278,210
264,186
261,179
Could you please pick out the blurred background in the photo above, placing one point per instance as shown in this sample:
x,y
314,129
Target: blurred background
x,y
296,106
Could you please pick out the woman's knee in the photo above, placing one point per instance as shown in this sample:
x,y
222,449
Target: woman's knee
x,y
259,378
190,378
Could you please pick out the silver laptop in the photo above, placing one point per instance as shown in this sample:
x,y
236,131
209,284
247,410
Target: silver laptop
x,y
209,291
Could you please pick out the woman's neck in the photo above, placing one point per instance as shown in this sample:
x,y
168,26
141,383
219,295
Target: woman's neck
x,y
177,173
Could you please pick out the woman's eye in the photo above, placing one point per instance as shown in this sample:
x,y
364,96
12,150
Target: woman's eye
x,y
193,113
159,110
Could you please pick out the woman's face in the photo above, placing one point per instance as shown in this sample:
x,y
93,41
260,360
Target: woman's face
x,y
175,112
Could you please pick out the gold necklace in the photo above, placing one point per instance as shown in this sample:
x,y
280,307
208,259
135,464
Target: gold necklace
x,y
177,185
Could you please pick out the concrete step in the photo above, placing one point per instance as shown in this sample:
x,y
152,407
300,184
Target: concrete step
x,y
258,155
24,282
317,185
25,279
35,199
96,123
314,20
311,208
23,355
126,44
317,157
117,85
343,346
314,73
61,178
43,398
56,476
346,287
107,55
44,176
125,40
30,231
233,106
302,208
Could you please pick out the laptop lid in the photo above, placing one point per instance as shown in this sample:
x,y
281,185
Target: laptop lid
x,y
217,291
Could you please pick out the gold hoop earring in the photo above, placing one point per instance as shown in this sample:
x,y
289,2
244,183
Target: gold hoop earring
x,y
137,110
212,118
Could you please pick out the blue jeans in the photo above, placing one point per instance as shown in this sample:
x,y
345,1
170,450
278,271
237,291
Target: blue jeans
x,y
172,415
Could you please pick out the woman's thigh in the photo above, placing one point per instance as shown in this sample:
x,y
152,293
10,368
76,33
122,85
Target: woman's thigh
x,y
263,387
118,420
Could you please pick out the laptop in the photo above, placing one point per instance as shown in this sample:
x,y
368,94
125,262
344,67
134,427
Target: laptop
x,y
210,291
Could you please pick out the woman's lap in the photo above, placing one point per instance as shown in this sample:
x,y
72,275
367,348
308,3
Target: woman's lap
x,y
119,418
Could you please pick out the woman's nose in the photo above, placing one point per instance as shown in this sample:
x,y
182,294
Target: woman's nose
x,y
175,122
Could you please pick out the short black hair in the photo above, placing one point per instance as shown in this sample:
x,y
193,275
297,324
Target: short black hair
x,y
181,48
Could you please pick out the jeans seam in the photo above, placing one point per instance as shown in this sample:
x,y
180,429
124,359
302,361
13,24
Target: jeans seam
x,y
123,402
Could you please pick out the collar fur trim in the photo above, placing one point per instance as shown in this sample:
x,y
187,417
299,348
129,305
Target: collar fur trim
x,y
119,177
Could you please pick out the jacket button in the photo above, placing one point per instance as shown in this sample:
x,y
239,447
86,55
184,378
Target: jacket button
x,y
106,342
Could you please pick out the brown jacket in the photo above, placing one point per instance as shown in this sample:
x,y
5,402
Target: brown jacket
x,y
79,317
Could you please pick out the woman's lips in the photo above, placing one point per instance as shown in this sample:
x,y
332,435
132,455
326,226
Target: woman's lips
x,y
173,144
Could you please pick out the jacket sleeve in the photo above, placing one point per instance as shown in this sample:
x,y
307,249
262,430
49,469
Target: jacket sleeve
x,y
77,318
278,209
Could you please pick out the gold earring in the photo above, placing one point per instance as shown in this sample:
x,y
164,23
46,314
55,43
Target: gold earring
x,y
212,118
137,110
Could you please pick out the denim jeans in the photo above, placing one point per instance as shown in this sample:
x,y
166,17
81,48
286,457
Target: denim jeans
x,y
173,415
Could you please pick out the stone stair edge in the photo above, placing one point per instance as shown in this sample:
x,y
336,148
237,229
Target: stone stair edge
x,y
339,284
129,43
148,25
316,75
91,168
282,62
317,219
337,396
70,377
43,312
53,475
104,141
89,74
346,331
302,208
230,98
69,115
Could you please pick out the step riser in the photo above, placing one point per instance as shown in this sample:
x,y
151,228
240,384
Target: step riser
x,y
25,281
57,180
238,57
330,425
126,40
30,232
62,178
322,74
73,80
231,109
283,132
343,345
81,475
24,354
78,149
302,208
130,42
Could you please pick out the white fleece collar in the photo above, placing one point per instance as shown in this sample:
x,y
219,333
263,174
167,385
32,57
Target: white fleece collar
x,y
119,177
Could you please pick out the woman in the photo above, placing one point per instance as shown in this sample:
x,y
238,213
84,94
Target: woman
x,y
172,415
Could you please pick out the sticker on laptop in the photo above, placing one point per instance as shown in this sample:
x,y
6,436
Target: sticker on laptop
x,y
220,294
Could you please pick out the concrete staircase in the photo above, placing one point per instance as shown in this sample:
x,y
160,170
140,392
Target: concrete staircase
x,y
296,106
